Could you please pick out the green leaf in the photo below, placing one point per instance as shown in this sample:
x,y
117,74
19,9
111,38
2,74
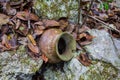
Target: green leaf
x,y
101,6
106,5
21,28
109,0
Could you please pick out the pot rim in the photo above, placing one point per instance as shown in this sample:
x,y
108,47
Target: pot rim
x,y
65,57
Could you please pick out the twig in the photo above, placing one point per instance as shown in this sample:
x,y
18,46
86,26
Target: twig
x,y
87,11
107,25
29,19
79,7
114,43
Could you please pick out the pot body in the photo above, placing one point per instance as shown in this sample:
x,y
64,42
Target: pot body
x,y
57,45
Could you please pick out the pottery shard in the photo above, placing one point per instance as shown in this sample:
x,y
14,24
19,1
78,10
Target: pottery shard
x,y
50,23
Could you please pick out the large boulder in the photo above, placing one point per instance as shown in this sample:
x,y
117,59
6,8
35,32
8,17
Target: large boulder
x,y
104,47
105,61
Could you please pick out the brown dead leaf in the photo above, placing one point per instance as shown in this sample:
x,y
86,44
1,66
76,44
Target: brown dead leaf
x,y
4,39
84,59
39,23
50,23
8,9
84,43
2,48
31,39
44,58
74,34
4,19
22,40
82,35
83,29
84,38
70,28
18,22
103,16
41,27
114,33
38,32
63,21
78,46
38,28
23,29
4,29
33,48
8,45
25,15
110,13
13,42
14,3
5,42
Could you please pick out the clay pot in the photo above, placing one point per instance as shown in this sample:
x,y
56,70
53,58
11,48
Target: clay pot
x,y
57,45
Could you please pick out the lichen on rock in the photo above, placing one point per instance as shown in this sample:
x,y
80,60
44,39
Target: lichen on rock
x,y
55,9
18,64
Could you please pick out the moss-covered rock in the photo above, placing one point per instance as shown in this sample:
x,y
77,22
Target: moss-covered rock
x,y
54,9
18,65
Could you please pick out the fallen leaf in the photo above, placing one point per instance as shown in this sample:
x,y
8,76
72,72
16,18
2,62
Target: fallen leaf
x,y
18,22
50,23
25,16
4,19
83,29
63,21
14,3
22,40
70,28
41,27
84,43
5,42
114,33
44,58
8,45
39,23
78,46
81,36
4,39
84,59
2,48
23,29
33,48
4,29
31,39
85,37
38,32
103,16
74,34
13,42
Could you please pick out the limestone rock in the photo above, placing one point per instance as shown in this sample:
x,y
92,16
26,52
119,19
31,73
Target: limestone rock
x,y
18,65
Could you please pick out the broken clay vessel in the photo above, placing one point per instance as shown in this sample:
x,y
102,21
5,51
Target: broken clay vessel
x,y
57,45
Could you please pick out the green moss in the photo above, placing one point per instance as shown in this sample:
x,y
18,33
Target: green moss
x,y
100,71
56,9
34,69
